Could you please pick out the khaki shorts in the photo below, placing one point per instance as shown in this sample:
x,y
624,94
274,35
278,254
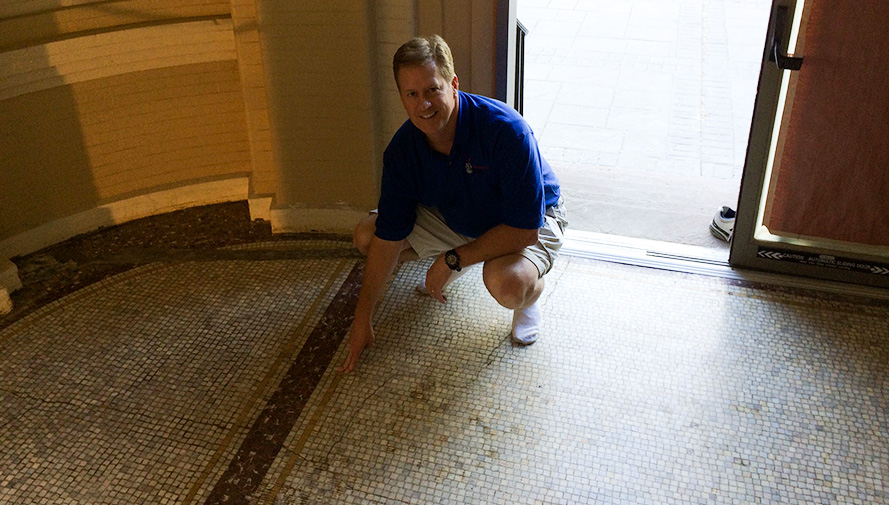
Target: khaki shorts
x,y
431,236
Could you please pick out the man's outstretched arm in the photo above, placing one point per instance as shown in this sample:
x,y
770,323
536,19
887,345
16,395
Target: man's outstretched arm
x,y
382,256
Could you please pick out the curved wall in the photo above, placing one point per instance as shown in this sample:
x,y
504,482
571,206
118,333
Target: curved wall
x,y
103,102
118,109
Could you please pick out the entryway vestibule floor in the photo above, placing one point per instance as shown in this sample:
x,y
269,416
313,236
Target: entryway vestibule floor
x,y
208,376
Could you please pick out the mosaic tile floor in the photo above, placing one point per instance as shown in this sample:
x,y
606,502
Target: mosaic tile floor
x,y
214,381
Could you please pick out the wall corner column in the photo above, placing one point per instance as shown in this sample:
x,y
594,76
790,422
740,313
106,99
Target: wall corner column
x,y
263,185
505,51
9,282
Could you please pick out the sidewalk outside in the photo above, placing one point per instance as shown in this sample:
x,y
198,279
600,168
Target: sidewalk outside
x,y
643,108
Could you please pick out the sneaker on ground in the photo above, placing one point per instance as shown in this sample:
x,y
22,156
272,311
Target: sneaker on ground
x,y
723,224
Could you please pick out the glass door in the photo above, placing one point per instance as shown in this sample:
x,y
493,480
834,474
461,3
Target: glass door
x,y
814,197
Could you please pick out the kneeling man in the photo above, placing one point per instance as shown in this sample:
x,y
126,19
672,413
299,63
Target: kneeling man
x,y
464,182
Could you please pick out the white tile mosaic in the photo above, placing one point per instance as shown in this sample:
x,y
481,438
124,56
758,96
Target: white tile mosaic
x,y
132,390
645,387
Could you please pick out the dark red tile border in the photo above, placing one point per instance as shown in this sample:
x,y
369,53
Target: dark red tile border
x,y
259,449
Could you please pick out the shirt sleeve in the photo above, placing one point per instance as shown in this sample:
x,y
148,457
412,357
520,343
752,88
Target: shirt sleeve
x,y
521,180
398,199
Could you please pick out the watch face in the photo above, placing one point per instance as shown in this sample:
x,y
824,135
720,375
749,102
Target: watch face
x,y
452,260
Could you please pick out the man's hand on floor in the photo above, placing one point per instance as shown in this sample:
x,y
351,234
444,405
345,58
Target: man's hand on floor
x,y
436,278
361,336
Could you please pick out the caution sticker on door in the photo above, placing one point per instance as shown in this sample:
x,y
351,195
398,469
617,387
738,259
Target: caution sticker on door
x,y
824,260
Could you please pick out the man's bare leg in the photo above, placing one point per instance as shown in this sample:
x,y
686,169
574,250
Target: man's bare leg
x,y
514,282
365,231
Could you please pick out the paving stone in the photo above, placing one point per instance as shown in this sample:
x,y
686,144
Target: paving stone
x,y
692,63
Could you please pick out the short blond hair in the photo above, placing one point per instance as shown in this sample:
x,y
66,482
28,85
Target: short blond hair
x,y
421,50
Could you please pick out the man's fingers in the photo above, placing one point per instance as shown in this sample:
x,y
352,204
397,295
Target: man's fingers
x,y
438,295
355,351
350,363
348,366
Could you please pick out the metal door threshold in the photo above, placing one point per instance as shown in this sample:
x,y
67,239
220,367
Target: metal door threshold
x,y
695,260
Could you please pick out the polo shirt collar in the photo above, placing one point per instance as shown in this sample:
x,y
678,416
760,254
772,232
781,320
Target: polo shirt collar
x,y
461,136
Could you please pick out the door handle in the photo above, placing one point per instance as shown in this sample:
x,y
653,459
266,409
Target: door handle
x,y
781,59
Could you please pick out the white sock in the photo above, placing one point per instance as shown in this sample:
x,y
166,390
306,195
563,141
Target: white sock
x,y
526,324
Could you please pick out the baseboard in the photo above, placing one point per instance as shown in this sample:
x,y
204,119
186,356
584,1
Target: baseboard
x,y
260,208
306,219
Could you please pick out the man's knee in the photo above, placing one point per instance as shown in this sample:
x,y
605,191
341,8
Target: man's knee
x,y
511,285
508,291
364,232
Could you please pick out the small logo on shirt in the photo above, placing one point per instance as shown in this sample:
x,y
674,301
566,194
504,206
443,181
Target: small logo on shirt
x,y
470,167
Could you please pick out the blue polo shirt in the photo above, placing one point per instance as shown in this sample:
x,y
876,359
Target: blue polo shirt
x,y
494,174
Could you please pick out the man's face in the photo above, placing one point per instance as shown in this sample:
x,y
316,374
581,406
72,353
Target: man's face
x,y
430,101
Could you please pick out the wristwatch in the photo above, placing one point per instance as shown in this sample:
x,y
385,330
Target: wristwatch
x,y
452,260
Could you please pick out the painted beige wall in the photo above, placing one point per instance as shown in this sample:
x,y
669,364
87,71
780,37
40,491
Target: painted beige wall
x,y
103,102
122,109
333,101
